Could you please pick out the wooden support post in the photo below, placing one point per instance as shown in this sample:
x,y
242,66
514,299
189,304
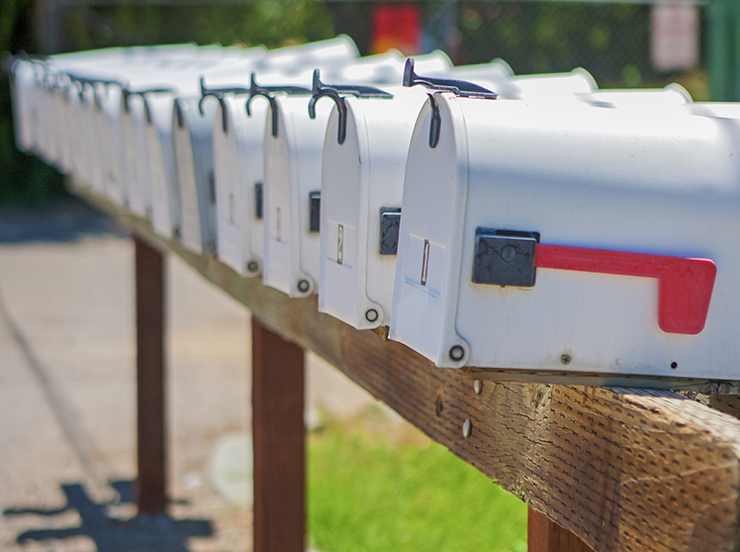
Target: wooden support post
x,y
544,535
150,422
278,437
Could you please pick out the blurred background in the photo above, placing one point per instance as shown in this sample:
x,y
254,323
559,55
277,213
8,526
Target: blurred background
x,y
67,392
622,44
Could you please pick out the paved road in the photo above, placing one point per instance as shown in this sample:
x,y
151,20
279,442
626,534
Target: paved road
x,y
67,448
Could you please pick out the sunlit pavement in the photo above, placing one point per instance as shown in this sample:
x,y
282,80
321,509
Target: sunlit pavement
x,y
67,403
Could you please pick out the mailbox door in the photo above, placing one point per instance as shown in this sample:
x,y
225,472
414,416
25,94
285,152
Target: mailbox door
x,y
136,157
235,199
22,91
362,190
292,178
344,212
162,168
428,263
193,141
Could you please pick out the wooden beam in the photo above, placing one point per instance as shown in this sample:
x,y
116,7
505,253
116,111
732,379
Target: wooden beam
x,y
278,436
623,469
150,401
545,536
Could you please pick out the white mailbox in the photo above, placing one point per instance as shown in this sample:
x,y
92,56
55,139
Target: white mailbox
x,y
192,129
162,168
364,164
238,151
292,194
570,239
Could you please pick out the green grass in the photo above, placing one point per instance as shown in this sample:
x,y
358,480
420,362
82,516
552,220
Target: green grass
x,y
366,494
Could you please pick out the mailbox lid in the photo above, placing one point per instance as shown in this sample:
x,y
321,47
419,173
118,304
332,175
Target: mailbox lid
x,y
362,184
427,266
166,210
600,179
292,175
136,156
23,96
238,159
193,145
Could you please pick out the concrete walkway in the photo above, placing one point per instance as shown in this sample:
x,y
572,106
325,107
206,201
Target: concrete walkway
x,y
67,404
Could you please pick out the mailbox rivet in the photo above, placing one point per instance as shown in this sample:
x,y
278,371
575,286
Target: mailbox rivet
x,y
565,360
674,365
252,266
457,353
371,315
303,286
508,253
467,428
478,386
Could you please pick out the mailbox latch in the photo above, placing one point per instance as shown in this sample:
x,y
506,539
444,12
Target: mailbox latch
x,y
504,257
314,218
390,222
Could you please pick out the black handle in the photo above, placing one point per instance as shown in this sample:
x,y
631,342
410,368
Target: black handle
x,y
458,87
142,93
269,93
334,91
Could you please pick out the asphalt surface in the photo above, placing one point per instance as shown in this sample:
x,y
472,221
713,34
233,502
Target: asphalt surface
x,y
67,395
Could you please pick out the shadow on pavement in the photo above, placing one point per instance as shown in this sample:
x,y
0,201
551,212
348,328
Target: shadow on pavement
x,y
158,533
66,220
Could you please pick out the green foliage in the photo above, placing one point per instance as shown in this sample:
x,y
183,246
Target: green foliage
x,y
258,22
24,180
367,495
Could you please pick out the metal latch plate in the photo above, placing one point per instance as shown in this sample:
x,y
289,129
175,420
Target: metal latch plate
x,y
504,257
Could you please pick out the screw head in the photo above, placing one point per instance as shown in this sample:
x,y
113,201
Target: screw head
x,y
253,266
565,360
508,253
371,315
457,353
478,386
467,428
303,286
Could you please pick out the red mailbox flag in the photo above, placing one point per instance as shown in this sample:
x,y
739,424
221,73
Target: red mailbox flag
x,y
684,285
396,25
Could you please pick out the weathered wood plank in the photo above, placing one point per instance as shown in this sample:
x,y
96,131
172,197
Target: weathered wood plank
x,y
151,456
623,469
278,435
545,536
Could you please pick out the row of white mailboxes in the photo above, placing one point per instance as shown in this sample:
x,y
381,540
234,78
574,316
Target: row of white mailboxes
x,y
552,234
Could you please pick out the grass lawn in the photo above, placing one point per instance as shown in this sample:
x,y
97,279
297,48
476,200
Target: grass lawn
x,y
382,486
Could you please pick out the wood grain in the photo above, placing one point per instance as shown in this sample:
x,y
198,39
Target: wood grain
x,y
545,536
623,469
150,373
278,437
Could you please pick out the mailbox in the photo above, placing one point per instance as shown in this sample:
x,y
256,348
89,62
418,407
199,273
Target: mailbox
x,y
569,239
292,188
362,188
238,149
162,169
361,205
192,131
